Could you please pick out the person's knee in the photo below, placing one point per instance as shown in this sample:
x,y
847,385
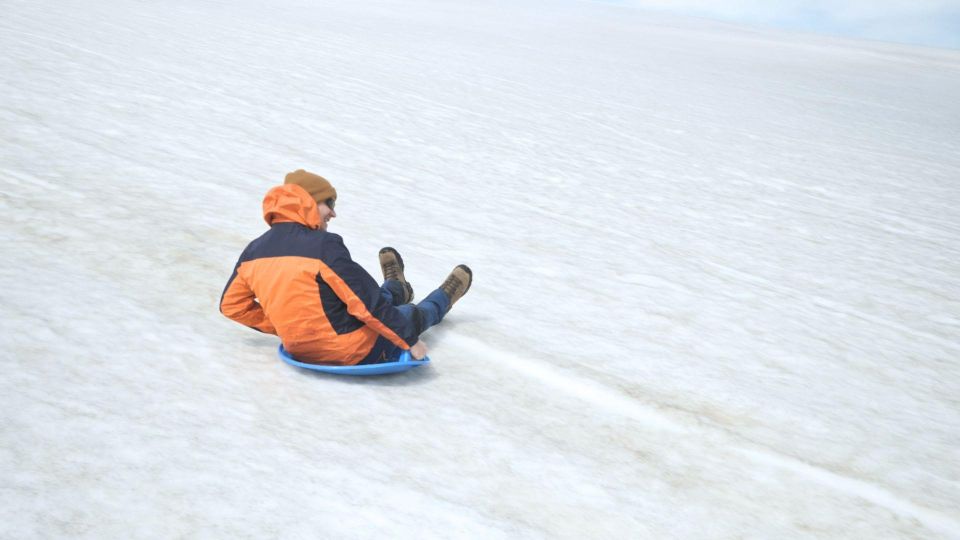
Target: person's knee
x,y
395,288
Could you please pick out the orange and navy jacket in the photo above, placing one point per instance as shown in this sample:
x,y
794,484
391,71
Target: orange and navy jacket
x,y
299,283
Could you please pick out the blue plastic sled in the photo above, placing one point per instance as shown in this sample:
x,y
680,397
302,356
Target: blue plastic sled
x,y
404,363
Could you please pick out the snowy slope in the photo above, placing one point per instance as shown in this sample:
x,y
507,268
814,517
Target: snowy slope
x,y
716,273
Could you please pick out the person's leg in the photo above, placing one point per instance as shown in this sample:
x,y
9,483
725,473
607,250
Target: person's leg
x,y
393,292
433,308
429,312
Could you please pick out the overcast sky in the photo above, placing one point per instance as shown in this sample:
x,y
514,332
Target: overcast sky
x,y
924,22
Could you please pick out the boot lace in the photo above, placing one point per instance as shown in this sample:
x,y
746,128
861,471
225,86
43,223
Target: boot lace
x,y
451,285
391,270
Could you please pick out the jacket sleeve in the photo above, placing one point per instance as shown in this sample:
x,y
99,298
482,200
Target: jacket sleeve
x,y
239,303
361,293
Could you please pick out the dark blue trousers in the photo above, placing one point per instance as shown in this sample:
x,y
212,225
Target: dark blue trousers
x,y
428,312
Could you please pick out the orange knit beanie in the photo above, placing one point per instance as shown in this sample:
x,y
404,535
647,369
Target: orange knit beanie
x,y
317,186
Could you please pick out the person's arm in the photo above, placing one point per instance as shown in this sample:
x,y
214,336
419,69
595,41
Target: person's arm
x,y
361,293
239,303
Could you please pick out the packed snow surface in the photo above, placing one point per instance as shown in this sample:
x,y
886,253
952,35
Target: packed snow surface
x,y
717,273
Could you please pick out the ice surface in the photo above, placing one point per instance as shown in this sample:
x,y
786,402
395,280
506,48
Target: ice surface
x,y
716,273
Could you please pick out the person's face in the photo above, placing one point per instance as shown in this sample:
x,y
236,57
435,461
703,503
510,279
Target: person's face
x,y
326,213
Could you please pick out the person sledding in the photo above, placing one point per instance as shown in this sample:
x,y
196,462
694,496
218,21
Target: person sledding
x,y
297,281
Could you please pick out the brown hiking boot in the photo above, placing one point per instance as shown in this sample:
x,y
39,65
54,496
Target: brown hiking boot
x,y
457,283
392,265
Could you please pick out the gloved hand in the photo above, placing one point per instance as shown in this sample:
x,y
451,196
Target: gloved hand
x,y
419,350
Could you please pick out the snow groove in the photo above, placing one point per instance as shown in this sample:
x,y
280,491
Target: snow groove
x,y
617,403
591,392
864,490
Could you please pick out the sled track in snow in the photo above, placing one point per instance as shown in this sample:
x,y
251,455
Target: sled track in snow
x,y
618,403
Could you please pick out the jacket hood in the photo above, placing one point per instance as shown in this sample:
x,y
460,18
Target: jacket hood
x,y
290,203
